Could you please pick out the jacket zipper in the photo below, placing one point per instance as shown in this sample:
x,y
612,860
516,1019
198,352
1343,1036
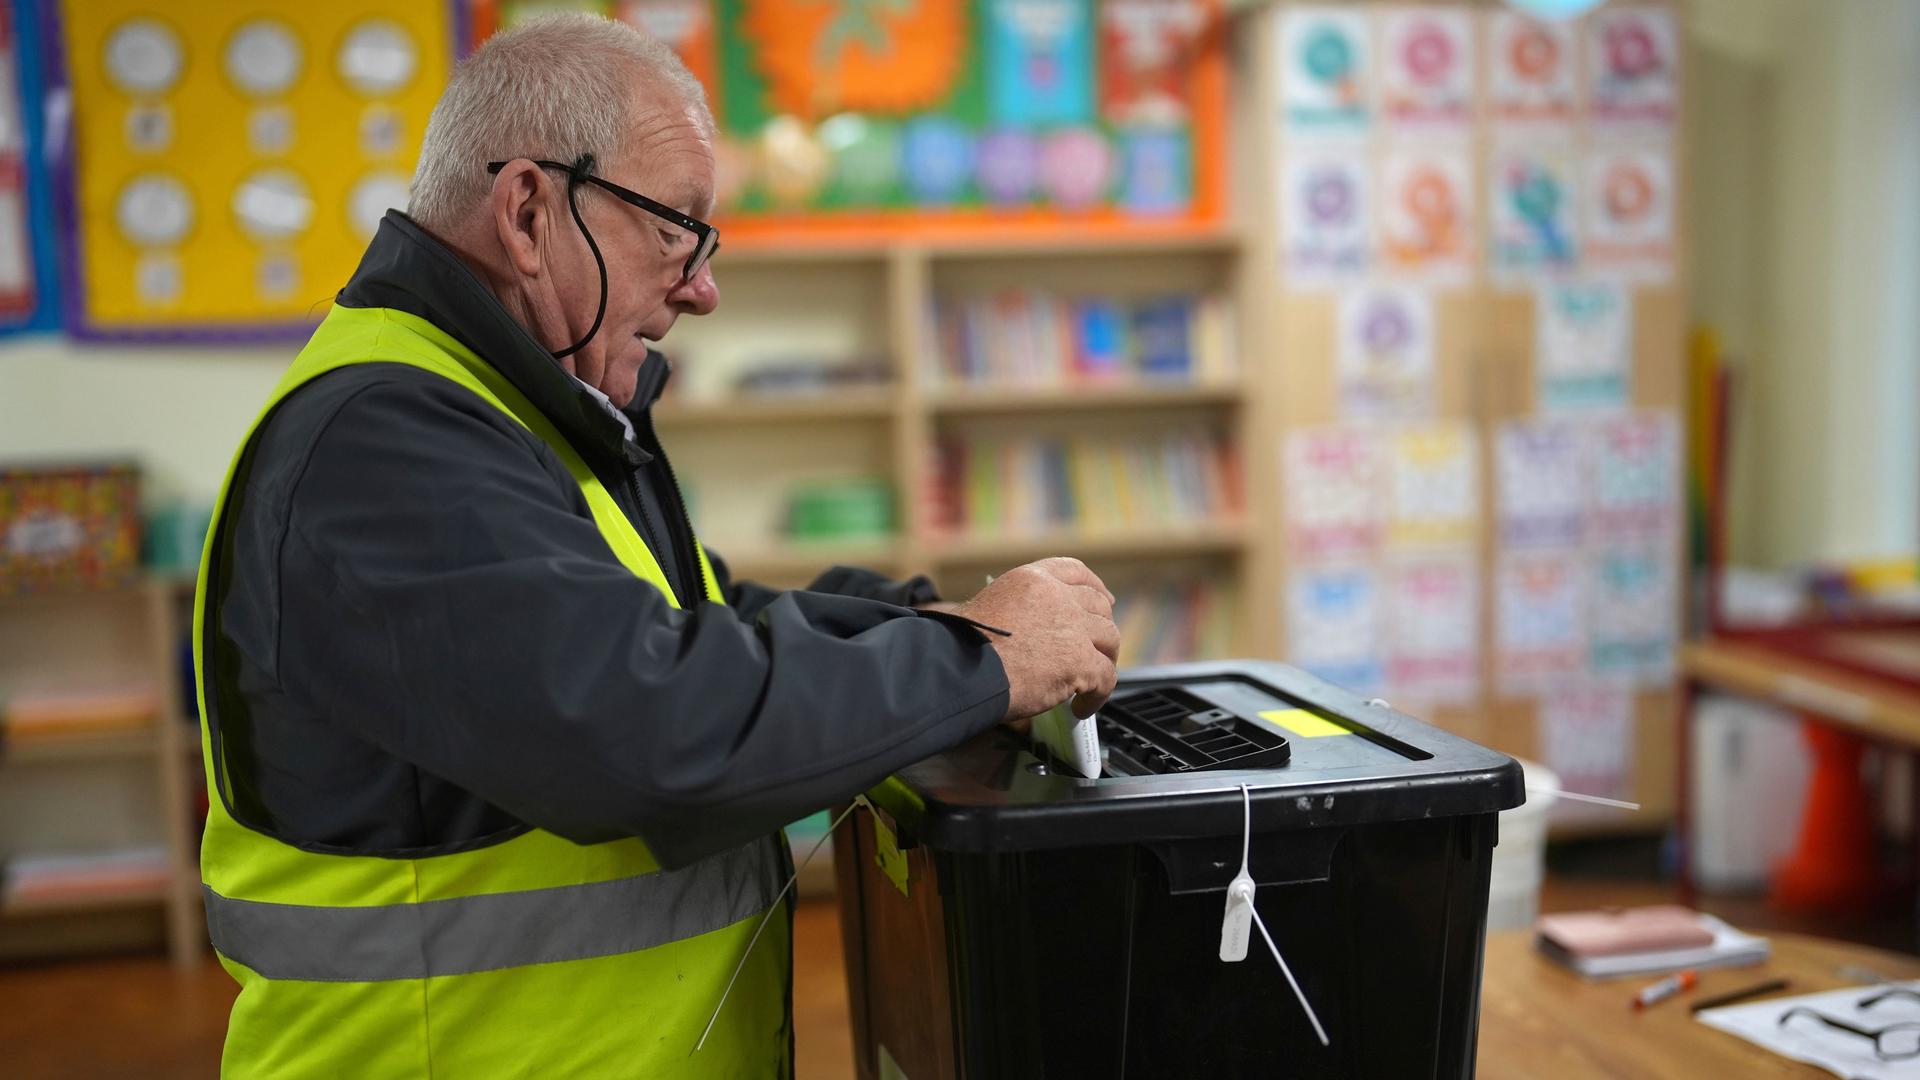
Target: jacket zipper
x,y
682,537
646,520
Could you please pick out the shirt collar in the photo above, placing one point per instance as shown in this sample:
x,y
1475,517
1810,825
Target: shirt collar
x,y
407,269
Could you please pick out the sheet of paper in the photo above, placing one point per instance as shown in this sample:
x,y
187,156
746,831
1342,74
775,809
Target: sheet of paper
x,y
1636,475
1540,633
1426,213
1326,212
1426,68
1532,211
1540,469
1629,212
1633,612
1333,492
1633,61
1804,1038
1433,628
1333,625
1385,353
1434,474
1586,736
1530,72
1326,77
1583,347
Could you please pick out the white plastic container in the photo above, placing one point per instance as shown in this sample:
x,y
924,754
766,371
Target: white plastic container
x,y
1520,860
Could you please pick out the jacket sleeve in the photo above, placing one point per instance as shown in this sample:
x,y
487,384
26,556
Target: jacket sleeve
x,y
446,596
748,598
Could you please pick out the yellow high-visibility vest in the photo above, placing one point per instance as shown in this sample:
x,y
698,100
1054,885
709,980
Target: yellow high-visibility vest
x,y
533,956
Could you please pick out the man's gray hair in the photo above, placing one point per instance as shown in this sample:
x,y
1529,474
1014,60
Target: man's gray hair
x,y
554,87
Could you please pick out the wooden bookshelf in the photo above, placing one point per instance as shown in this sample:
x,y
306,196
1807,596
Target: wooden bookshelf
x,y
137,784
1075,398
875,296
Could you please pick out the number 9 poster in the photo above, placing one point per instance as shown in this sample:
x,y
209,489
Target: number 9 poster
x,y
229,163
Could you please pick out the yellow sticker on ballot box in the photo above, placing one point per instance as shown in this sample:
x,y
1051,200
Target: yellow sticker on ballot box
x,y
1303,722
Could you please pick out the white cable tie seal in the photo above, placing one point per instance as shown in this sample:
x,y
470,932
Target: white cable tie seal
x,y
1241,916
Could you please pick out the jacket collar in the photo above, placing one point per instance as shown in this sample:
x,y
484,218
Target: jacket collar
x,y
405,268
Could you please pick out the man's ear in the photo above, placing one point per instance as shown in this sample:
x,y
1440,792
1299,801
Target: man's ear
x,y
520,214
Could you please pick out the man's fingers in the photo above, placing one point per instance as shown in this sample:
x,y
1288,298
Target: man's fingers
x,y
1073,572
1092,600
1088,702
1106,638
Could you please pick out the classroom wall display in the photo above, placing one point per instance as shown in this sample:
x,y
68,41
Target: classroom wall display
x,y
1531,73
1531,190
846,118
1633,65
1326,70
1587,738
1426,213
1629,212
29,283
1326,215
229,164
1334,623
1334,502
1385,360
1433,629
1427,68
1583,352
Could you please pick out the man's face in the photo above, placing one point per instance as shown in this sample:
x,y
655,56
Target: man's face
x,y
669,158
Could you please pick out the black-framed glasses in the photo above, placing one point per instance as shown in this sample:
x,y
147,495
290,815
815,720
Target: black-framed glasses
x,y
706,237
1897,1042
1892,993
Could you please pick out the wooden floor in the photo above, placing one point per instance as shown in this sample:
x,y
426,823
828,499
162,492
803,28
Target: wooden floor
x,y
133,1017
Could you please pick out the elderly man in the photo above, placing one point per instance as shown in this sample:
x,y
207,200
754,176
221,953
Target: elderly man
x,y
498,752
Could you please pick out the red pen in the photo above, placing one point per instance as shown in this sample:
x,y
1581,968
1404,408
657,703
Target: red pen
x,y
1665,988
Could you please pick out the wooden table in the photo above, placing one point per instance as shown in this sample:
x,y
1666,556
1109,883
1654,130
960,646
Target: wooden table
x,y
1538,1019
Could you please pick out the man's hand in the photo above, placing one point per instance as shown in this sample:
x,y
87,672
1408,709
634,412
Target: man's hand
x,y
1064,642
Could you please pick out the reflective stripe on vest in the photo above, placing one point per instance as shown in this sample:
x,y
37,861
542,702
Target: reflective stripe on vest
x,y
528,956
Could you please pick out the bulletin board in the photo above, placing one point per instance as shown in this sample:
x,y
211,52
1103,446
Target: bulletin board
x,y
229,162
1477,373
947,117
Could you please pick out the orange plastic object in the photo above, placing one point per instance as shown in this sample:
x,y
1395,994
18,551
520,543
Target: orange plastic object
x,y
1834,866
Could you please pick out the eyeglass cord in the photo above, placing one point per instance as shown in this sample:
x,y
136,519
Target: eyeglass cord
x,y
581,168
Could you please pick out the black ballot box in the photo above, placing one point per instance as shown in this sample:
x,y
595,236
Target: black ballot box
x,y
1006,918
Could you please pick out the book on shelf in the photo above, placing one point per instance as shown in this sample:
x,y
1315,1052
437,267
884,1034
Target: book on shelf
x,y
1025,337
34,715
1172,622
998,485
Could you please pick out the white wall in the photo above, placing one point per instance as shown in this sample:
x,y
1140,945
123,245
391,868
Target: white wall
x,y
180,411
1804,154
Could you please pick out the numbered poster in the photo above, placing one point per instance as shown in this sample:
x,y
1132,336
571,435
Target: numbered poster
x,y
1635,611
230,164
1426,67
1629,225
1386,350
1325,70
1540,467
1540,634
1636,487
1433,629
1583,351
1633,57
1531,191
1426,217
1332,495
1434,477
1334,627
1530,66
1325,210
1587,738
